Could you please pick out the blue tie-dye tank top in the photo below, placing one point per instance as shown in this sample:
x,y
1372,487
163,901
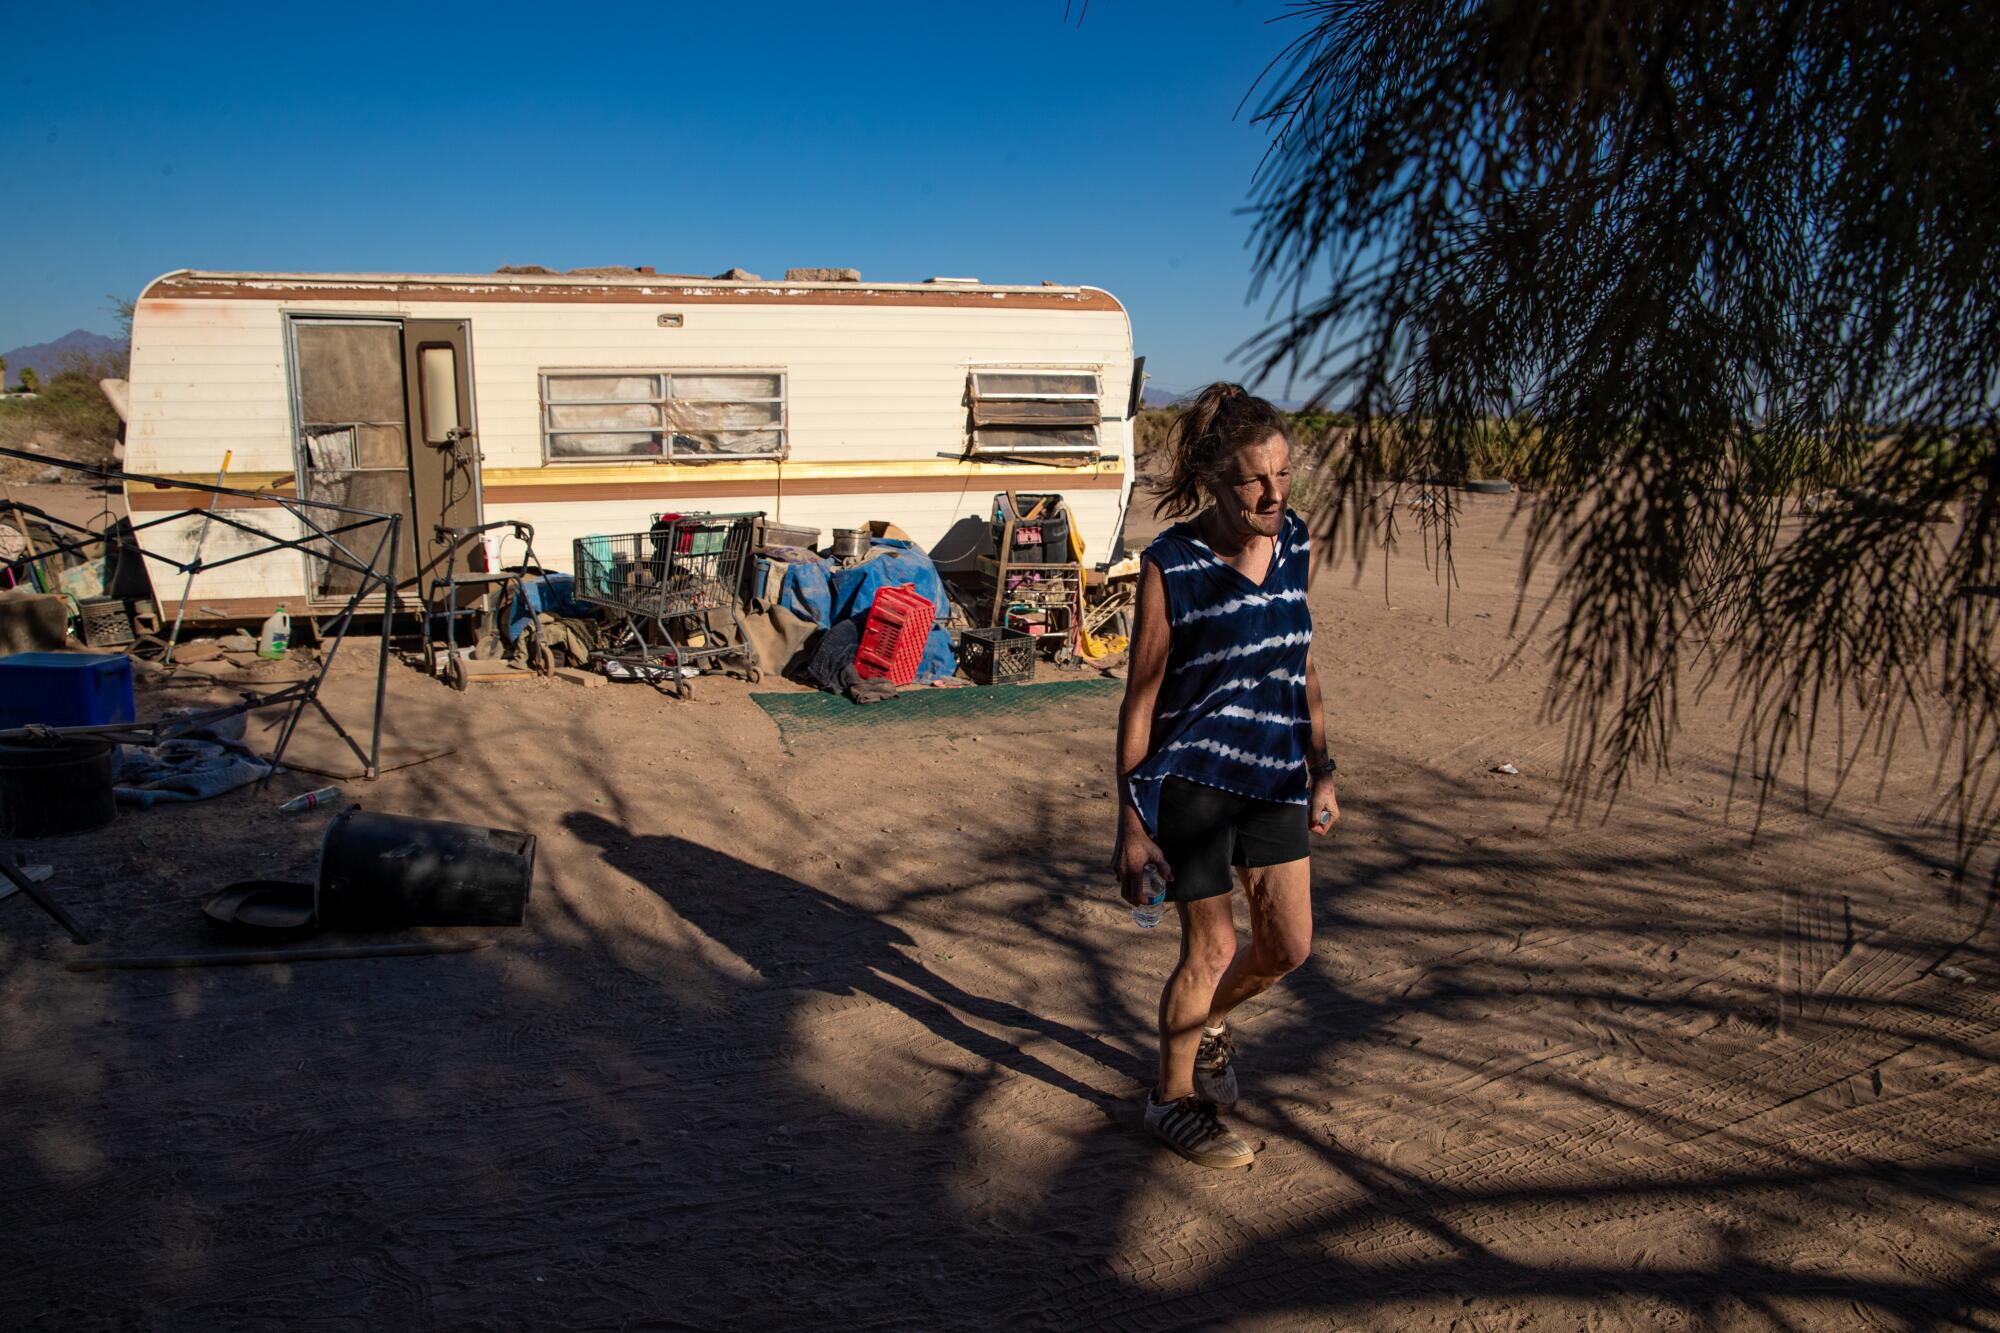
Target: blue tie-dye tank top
x,y
1232,709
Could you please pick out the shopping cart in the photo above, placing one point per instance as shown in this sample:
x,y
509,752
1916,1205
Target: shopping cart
x,y
686,571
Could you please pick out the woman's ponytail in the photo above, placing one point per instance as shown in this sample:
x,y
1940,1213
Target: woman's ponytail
x,y
1203,440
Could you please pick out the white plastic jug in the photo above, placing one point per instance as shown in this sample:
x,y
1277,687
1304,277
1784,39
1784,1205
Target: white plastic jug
x,y
277,635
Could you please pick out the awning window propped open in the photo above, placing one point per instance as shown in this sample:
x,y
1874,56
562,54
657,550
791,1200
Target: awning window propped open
x,y
1051,412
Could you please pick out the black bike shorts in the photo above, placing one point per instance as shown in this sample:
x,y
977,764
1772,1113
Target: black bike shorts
x,y
1204,831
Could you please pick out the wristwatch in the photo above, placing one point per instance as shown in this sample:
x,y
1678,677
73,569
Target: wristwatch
x,y
1324,766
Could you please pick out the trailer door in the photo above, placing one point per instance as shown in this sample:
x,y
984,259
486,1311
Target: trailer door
x,y
444,448
353,444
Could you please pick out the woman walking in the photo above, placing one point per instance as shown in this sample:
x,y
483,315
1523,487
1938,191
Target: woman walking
x,y
1222,754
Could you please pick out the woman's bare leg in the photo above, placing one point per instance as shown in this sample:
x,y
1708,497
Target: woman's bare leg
x,y
1208,948
1280,899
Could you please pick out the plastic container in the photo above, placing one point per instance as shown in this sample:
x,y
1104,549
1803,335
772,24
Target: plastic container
x,y
379,871
276,638
65,689
892,642
783,535
1153,911
997,656
46,790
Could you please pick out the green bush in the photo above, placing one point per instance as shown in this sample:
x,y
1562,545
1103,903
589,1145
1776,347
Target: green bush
x,y
68,418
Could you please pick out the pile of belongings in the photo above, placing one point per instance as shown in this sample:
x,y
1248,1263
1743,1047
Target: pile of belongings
x,y
838,601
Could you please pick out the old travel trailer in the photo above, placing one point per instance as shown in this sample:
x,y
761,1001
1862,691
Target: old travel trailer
x,y
588,403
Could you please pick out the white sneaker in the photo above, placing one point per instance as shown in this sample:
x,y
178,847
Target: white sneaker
x,y
1192,1128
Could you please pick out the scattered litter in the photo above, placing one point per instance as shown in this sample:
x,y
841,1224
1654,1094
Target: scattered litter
x,y
1508,769
265,910
615,669
322,796
1953,973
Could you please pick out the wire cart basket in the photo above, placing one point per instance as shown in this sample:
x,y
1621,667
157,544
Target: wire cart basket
x,y
666,585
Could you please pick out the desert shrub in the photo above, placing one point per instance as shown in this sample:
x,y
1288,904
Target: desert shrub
x,y
68,418
1149,429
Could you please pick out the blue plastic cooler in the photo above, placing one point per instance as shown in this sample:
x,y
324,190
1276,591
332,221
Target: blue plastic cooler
x,y
65,689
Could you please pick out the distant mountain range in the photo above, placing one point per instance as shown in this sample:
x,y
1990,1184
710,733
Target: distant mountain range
x,y
1159,396
45,359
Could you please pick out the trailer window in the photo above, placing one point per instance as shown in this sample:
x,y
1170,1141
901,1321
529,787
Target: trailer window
x,y
682,416
1049,411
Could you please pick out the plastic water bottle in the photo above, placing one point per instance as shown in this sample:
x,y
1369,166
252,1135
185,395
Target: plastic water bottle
x,y
1151,912
311,799
277,635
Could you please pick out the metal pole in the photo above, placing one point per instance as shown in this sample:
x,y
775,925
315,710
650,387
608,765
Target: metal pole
x,y
309,692
388,628
43,901
417,949
200,539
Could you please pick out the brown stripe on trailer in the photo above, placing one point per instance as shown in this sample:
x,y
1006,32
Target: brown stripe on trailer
x,y
161,500
481,288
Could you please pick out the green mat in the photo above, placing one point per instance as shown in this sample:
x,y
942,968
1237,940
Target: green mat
x,y
930,712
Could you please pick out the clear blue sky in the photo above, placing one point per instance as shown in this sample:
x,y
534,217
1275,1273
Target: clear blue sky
x,y
903,139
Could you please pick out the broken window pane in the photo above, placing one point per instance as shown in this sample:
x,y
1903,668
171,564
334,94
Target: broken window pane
x,y
740,443
723,416
329,448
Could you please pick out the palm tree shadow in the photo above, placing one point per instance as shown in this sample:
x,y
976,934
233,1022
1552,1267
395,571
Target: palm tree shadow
x,y
797,936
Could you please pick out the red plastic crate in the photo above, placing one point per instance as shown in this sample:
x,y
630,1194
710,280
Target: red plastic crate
x,y
892,642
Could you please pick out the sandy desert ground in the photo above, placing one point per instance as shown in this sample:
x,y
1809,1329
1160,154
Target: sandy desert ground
x,y
852,1035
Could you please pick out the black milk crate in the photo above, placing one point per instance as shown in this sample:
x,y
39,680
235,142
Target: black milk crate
x,y
684,566
105,622
997,656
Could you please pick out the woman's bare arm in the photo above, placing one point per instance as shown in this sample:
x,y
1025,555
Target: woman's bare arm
x,y
1145,670
1323,798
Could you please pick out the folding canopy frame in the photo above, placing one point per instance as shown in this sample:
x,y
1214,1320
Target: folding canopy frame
x,y
377,572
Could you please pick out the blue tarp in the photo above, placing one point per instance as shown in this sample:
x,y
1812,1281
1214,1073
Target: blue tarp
x,y
554,593
806,591
892,562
